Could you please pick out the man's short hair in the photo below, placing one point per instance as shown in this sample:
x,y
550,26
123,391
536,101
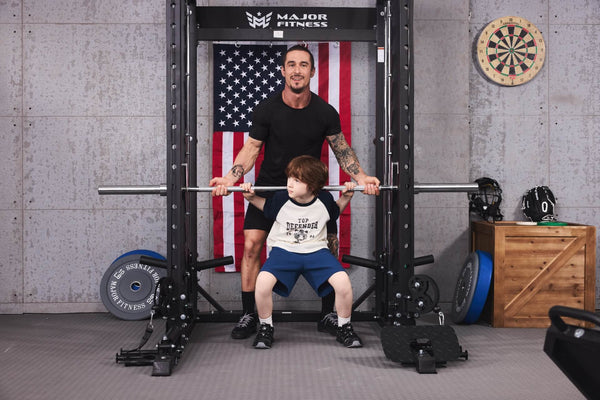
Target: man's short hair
x,y
309,170
300,48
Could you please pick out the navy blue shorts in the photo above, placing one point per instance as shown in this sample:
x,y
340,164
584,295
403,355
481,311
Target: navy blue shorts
x,y
316,267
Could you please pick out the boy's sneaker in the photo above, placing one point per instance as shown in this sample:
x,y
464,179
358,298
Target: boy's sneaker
x,y
347,336
328,324
245,327
264,337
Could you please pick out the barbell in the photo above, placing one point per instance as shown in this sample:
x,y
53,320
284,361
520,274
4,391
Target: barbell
x,y
162,189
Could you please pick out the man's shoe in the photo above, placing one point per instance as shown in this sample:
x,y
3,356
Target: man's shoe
x,y
328,324
347,336
245,327
264,337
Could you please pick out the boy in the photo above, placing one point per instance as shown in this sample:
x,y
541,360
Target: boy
x,y
298,240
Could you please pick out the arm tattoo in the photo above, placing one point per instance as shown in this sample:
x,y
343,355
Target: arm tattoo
x,y
333,244
237,171
345,155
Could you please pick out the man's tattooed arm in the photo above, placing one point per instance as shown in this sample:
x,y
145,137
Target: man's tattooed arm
x,y
346,157
237,171
333,244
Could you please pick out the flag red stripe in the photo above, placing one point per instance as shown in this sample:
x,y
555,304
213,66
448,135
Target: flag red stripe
x,y
324,71
323,87
346,123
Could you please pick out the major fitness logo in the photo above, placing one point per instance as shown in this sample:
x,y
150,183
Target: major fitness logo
x,y
259,21
287,20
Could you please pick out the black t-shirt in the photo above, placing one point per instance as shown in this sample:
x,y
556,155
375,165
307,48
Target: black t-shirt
x,y
289,132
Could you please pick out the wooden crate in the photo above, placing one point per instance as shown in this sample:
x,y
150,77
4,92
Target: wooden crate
x,y
535,268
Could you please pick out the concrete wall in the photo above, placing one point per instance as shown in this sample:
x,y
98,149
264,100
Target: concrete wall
x,y
82,98
545,132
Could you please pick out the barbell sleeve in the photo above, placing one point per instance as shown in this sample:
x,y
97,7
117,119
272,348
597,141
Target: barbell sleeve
x,y
445,187
160,189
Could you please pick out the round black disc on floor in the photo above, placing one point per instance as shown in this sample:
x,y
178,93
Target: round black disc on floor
x,y
465,288
127,286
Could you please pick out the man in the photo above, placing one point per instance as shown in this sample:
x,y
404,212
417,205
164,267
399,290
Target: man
x,y
292,123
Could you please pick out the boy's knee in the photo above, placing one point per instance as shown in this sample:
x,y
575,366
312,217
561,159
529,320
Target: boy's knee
x,y
341,284
343,290
264,284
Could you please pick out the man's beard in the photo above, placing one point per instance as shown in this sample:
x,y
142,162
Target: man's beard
x,y
297,90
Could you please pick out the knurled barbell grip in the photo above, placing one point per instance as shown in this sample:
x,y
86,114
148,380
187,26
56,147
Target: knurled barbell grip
x,y
275,188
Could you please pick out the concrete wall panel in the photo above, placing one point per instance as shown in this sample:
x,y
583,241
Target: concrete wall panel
x,y
66,252
436,10
574,12
94,12
11,74
10,11
484,12
442,155
11,163
66,159
94,69
441,66
573,172
574,73
11,271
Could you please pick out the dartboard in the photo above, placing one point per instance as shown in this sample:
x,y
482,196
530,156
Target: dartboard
x,y
511,51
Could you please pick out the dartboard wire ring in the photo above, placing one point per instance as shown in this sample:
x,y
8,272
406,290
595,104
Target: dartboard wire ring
x,y
510,51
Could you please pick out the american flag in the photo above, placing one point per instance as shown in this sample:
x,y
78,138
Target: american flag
x,y
244,75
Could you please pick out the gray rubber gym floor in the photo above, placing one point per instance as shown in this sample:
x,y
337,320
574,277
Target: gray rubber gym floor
x,y
72,356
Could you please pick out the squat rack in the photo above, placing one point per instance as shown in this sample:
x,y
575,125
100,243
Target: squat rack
x,y
389,26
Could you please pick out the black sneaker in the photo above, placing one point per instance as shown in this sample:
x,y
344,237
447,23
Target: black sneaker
x,y
328,324
347,336
264,337
245,327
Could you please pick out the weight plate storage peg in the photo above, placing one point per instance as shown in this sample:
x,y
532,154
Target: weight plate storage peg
x,y
127,286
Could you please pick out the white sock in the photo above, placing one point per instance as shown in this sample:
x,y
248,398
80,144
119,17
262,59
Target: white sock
x,y
268,321
343,321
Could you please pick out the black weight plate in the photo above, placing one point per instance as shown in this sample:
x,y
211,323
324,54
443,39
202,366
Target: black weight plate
x,y
465,288
127,286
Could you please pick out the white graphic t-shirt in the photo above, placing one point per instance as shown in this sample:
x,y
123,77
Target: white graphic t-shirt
x,y
300,228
